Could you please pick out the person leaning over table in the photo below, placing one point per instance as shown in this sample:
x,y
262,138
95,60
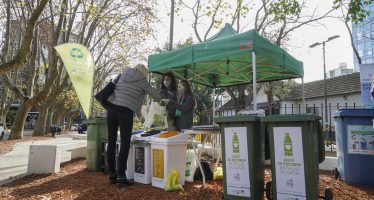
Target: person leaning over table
x,y
184,106
126,100
169,91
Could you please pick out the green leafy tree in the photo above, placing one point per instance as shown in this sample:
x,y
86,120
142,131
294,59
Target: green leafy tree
x,y
353,11
356,11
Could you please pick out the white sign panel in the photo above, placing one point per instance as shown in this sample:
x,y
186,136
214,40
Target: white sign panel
x,y
360,139
366,80
289,162
237,168
289,197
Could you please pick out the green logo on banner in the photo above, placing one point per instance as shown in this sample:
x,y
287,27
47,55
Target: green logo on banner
x,y
235,143
288,145
76,53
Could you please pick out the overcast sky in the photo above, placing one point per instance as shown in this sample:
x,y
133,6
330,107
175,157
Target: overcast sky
x,y
337,51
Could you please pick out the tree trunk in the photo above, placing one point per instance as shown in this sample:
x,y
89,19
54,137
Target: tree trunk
x,y
42,121
241,99
4,103
54,117
49,121
4,113
270,95
59,119
20,119
69,122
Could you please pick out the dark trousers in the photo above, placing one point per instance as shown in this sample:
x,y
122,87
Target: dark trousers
x,y
122,117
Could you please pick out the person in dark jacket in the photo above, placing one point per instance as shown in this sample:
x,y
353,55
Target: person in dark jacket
x,y
169,91
126,100
184,106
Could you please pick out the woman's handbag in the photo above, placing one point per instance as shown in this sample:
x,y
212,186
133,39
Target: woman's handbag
x,y
108,90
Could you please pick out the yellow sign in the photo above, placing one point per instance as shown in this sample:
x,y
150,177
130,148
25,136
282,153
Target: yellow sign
x,y
80,66
158,163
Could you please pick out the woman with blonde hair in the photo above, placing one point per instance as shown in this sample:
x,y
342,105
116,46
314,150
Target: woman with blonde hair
x,y
126,100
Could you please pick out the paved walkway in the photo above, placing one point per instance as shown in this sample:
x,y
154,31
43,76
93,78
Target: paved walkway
x,y
13,165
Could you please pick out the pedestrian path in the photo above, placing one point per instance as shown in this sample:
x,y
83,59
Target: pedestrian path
x,y
13,165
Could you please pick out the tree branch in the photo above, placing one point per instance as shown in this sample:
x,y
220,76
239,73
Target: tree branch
x,y
21,57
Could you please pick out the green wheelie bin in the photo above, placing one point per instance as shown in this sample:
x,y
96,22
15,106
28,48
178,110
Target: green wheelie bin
x,y
296,149
96,131
242,156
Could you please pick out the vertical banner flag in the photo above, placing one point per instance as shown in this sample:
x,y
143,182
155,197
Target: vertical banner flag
x,y
80,66
366,80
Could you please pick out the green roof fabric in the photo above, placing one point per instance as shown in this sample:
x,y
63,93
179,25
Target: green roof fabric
x,y
225,59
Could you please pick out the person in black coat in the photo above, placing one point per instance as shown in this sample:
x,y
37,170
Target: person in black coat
x,y
169,91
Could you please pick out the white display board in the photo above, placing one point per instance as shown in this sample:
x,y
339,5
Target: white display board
x,y
289,163
237,164
366,80
360,139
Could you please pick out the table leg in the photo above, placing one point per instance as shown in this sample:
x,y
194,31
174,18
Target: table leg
x,y
213,145
198,161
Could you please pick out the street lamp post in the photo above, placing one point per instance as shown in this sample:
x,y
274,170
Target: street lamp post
x,y
171,26
324,70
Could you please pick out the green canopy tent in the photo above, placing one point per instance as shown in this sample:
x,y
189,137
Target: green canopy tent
x,y
228,59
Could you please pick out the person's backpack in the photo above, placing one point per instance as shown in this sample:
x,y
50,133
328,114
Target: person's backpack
x,y
207,171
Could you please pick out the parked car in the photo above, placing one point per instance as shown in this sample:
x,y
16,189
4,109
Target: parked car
x,y
1,131
74,127
82,128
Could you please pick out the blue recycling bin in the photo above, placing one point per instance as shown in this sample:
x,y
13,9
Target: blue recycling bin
x,y
355,146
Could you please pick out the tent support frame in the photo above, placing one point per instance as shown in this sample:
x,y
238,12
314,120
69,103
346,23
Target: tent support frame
x,y
254,80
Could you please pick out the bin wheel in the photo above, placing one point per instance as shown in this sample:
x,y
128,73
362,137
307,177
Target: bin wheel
x,y
328,194
269,190
335,173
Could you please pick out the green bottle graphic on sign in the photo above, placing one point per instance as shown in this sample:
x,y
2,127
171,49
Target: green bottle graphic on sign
x,y
288,145
235,143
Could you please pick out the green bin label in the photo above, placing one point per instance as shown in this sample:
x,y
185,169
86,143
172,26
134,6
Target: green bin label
x,y
236,161
360,139
288,145
289,163
235,144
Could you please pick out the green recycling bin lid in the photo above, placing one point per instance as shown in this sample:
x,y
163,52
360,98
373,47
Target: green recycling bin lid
x,y
94,120
237,118
290,118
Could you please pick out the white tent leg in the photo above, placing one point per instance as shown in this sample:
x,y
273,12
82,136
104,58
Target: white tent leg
x,y
214,104
254,81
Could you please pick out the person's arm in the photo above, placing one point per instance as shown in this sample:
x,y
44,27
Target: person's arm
x,y
186,106
151,91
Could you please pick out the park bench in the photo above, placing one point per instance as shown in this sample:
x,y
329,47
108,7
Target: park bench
x,y
46,158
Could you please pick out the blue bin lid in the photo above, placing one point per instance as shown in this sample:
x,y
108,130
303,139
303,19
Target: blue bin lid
x,y
354,113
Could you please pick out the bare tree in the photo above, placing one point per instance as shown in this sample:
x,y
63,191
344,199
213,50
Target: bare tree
x,y
275,20
21,58
112,30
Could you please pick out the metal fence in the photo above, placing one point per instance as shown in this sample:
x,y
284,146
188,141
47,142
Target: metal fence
x,y
206,117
